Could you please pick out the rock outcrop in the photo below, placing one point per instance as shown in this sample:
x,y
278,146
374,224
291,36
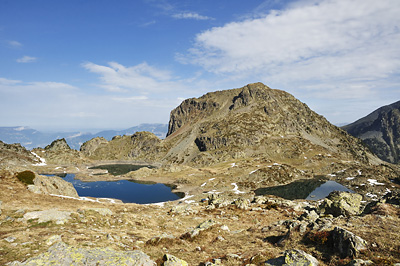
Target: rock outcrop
x,y
62,254
341,203
380,131
59,153
139,146
347,243
16,155
52,185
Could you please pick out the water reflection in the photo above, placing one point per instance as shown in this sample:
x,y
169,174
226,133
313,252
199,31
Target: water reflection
x,y
311,189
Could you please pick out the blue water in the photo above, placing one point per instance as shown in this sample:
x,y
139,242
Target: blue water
x,y
326,188
125,190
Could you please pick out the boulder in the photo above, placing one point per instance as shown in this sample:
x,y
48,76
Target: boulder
x,y
59,217
52,185
341,203
64,255
201,227
170,260
242,203
346,243
293,257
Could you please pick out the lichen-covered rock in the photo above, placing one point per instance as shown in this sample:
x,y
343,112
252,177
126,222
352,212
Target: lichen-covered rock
x,y
171,260
52,185
64,255
341,203
346,243
242,203
201,227
293,257
161,238
59,217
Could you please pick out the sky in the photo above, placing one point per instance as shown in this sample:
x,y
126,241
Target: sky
x,y
90,65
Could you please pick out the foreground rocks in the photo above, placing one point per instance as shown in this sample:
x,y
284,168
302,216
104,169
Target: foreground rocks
x,y
64,255
52,185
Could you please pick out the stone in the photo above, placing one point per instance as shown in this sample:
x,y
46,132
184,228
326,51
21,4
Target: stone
x,y
53,239
52,185
157,239
0,206
359,262
242,204
59,217
201,227
293,257
10,239
102,211
185,209
341,203
170,260
64,255
346,243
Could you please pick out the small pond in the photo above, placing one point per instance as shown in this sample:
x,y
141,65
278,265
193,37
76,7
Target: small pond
x,y
126,190
323,190
310,189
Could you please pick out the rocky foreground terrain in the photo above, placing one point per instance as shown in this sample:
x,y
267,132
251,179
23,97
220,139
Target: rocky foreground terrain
x,y
245,158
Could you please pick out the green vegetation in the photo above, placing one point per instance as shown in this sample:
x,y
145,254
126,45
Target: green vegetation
x,y
26,177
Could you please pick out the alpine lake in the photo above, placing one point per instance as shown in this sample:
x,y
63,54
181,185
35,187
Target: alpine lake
x,y
128,191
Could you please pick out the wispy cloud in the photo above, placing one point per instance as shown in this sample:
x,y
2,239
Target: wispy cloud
x,y
15,44
26,59
141,78
309,43
190,15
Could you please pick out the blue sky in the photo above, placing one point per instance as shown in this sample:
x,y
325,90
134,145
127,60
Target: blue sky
x,y
102,64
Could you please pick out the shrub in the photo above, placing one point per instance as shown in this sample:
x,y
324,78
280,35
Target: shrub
x,y
26,177
320,237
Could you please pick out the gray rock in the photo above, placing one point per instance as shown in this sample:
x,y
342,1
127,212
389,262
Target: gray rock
x,y
52,185
10,239
185,209
201,227
64,255
242,203
102,211
157,239
170,260
359,262
341,203
59,217
293,257
347,243
53,239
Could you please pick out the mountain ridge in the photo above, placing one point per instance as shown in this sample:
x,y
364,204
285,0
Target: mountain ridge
x,y
380,131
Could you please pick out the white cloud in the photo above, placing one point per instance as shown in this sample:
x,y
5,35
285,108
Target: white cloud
x,y
15,44
190,15
352,43
141,78
26,59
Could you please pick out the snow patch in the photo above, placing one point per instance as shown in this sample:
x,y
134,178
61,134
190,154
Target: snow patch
x,y
233,165
331,175
350,178
359,172
236,189
370,195
42,160
211,179
20,128
202,185
253,171
375,182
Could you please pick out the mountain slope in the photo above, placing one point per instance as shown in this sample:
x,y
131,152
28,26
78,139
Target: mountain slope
x,y
31,138
380,131
250,122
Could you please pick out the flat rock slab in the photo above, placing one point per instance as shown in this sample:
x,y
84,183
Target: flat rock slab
x,y
59,217
64,255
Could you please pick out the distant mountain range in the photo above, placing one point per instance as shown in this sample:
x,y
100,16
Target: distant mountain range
x,y
380,131
31,138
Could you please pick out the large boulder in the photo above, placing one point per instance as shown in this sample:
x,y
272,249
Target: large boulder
x,y
64,255
52,185
346,243
341,203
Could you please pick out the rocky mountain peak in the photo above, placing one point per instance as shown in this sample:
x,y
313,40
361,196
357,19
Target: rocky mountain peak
x,y
58,145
